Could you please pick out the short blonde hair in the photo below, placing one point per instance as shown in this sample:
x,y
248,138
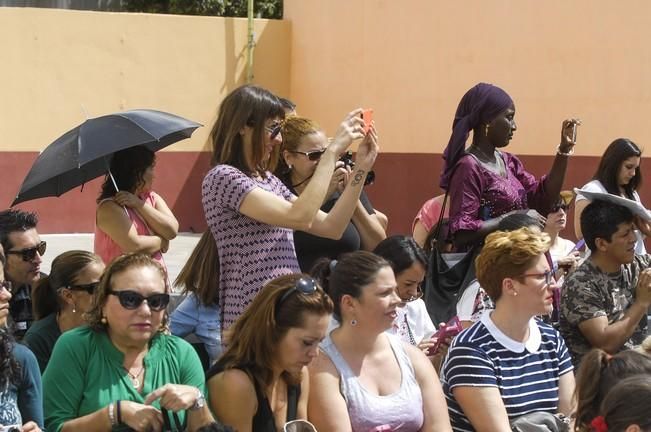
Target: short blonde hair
x,y
508,254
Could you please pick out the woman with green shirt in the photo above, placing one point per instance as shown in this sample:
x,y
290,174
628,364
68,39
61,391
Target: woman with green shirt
x,y
123,372
61,300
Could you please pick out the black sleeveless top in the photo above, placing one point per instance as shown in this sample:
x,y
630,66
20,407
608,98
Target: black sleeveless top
x,y
263,420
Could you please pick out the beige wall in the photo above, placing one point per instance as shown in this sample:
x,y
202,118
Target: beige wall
x,y
58,63
412,60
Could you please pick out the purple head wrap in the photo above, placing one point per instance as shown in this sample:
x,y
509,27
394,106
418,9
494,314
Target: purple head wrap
x,y
480,104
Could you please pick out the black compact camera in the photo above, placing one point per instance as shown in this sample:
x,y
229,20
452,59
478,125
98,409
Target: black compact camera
x,y
347,159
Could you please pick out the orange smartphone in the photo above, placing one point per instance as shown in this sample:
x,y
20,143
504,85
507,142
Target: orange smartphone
x,y
367,116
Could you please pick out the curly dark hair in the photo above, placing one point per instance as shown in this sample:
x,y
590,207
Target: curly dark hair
x,y
10,370
127,166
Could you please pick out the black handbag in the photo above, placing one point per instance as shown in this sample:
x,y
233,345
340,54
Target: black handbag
x,y
445,283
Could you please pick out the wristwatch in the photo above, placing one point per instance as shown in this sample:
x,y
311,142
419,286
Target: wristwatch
x,y
199,403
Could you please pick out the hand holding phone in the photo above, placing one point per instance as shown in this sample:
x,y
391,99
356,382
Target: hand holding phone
x,y
367,116
448,330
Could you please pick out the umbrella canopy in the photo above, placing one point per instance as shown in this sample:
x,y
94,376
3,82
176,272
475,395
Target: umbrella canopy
x,y
85,152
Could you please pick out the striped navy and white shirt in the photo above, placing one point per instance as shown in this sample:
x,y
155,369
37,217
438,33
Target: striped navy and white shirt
x,y
526,374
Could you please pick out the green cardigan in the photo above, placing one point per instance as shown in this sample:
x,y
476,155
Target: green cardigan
x,y
85,374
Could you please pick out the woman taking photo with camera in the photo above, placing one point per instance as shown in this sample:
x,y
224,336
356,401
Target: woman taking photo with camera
x,y
251,213
303,144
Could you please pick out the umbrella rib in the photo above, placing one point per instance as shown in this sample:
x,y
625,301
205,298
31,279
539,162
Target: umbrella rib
x,y
127,118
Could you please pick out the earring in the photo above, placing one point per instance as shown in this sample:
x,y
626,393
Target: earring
x,y
353,322
486,129
103,320
289,166
515,293
74,310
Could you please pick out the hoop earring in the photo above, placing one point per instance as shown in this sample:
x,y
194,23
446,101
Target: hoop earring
x,y
486,129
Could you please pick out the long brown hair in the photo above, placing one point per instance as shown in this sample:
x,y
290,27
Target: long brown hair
x,y
598,373
628,403
119,265
264,323
250,106
200,274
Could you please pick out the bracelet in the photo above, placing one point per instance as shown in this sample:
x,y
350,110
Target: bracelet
x,y
568,153
119,412
111,414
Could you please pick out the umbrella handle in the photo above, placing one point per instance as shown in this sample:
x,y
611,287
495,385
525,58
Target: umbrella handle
x,y
117,189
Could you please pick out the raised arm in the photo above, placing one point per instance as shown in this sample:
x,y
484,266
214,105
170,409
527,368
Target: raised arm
x,y
369,227
300,213
554,180
114,222
159,217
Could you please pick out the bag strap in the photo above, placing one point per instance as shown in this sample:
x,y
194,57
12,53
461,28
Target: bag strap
x,y
437,232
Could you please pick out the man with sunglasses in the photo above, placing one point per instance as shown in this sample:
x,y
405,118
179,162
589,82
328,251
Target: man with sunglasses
x,y
604,302
23,249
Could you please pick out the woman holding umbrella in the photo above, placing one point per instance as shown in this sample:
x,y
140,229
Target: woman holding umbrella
x,y
251,213
130,216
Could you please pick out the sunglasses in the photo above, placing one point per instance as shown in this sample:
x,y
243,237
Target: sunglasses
x,y
6,285
89,288
274,130
548,275
131,300
305,285
313,155
29,254
560,206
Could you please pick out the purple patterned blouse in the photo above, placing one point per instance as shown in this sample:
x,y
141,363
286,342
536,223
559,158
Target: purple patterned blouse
x,y
478,194
251,253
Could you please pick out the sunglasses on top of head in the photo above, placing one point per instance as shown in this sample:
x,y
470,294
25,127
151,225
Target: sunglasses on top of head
x,y
305,285
132,300
313,155
29,254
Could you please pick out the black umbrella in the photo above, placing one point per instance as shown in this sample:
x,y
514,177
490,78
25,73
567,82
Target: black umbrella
x,y
85,152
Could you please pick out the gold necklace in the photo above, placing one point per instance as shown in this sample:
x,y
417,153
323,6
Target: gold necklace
x,y
134,378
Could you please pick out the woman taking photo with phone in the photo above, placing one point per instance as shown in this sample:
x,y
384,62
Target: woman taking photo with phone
x,y
485,183
261,381
61,300
123,371
509,363
363,377
251,214
619,173
303,144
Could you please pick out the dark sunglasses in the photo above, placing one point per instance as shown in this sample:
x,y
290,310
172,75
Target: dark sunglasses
x,y
305,285
29,254
560,206
89,288
7,285
132,300
313,155
274,130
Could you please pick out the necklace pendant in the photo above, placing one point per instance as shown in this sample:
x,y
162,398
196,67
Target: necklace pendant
x,y
136,382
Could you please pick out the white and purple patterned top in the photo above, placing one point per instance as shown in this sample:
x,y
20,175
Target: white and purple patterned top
x,y
251,253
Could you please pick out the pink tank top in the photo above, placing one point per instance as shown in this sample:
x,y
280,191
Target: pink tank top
x,y
104,245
